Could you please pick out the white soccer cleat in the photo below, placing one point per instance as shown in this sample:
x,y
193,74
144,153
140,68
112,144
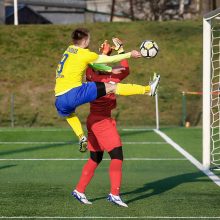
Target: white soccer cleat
x,y
154,85
83,142
116,200
81,197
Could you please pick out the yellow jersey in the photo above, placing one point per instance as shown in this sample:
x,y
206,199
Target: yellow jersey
x,y
70,70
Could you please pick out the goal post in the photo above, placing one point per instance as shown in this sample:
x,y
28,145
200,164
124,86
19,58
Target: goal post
x,y
206,91
211,89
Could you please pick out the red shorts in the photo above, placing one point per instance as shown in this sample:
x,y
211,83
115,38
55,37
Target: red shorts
x,y
102,133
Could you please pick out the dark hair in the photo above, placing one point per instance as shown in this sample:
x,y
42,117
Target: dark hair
x,y
79,34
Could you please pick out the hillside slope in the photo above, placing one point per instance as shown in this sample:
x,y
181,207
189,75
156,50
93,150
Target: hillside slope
x,y
30,54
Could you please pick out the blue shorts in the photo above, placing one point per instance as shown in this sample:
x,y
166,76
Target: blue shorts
x,y
67,103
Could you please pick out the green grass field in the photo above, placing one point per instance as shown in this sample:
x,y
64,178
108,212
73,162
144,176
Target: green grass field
x,y
158,182
31,54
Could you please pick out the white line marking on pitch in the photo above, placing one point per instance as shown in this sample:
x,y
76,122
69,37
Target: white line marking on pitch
x,y
188,156
137,129
70,142
79,159
144,142
109,217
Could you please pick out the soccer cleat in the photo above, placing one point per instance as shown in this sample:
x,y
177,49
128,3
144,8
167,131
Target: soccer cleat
x,y
83,144
116,200
154,85
81,197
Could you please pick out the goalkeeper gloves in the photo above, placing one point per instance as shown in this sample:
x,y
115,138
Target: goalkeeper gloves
x,y
118,45
105,48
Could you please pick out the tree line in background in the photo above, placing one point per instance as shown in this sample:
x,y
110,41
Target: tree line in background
x,y
160,10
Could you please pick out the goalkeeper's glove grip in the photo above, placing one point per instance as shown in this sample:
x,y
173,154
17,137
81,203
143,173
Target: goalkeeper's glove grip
x,y
105,48
118,45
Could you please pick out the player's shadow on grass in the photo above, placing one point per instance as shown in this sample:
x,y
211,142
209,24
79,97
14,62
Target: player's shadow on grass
x,y
34,148
7,166
160,186
163,185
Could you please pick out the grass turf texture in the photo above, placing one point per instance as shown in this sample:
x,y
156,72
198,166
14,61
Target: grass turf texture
x,y
30,55
150,187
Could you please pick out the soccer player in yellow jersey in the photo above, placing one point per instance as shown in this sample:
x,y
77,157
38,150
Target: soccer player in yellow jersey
x,y
71,92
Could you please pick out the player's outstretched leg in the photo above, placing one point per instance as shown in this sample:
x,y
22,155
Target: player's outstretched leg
x,y
134,89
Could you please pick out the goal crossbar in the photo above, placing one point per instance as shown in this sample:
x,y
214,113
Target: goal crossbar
x,y
213,14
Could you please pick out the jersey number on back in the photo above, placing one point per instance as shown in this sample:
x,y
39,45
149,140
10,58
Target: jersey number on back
x,y
61,64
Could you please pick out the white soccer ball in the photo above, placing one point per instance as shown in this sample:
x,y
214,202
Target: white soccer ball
x,y
149,49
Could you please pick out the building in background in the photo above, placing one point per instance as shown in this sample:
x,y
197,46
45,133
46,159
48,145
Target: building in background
x,y
81,11
53,11
59,12
26,16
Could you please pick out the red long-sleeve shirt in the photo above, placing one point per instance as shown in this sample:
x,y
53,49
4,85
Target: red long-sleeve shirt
x,y
105,104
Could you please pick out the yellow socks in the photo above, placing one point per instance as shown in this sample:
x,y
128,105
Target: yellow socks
x,y
131,89
147,89
75,124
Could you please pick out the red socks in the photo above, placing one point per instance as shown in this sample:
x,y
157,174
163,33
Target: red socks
x,y
86,176
115,173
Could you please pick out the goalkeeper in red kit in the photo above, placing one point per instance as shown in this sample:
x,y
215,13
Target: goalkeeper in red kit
x,y
102,132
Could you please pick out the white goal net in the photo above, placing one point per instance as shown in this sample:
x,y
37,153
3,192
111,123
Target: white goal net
x,y
215,91
211,89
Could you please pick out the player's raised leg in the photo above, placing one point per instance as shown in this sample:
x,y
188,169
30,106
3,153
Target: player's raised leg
x,y
134,89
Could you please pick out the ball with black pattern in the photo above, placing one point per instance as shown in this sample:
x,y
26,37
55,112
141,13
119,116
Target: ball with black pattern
x,y
149,49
